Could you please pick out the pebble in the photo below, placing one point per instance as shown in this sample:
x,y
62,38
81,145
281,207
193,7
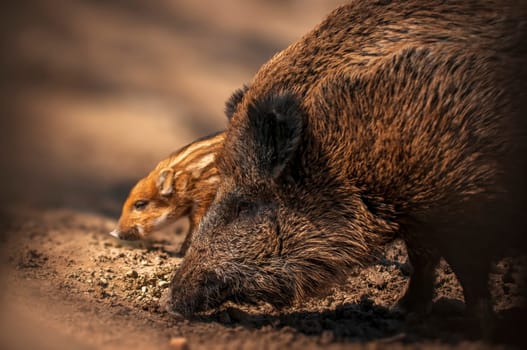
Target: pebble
x,y
179,343
132,274
162,283
103,282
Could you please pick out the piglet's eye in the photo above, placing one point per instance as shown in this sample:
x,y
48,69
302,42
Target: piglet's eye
x,y
140,204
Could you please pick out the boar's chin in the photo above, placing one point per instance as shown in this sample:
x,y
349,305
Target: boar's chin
x,y
189,297
194,291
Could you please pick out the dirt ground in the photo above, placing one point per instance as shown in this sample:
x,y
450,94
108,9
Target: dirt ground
x,y
68,282
94,94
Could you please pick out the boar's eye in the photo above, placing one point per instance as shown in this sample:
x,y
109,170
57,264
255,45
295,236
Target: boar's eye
x,y
140,204
243,207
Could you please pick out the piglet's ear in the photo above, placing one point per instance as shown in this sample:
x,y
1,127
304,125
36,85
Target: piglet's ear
x,y
275,126
165,182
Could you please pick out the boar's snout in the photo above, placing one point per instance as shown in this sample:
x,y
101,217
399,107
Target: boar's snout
x,y
194,291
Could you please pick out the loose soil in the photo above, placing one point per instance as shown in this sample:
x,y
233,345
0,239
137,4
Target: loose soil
x,y
69,283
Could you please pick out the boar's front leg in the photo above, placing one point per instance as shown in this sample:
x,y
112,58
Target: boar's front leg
x,y
472,272
420,290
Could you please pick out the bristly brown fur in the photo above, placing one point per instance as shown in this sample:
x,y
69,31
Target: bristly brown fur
x,y
390,119
233,101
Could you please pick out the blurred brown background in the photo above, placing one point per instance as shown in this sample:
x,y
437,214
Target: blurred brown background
x,y
95,93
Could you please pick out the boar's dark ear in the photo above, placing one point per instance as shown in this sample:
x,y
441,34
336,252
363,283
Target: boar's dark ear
x,y
275,125
234,100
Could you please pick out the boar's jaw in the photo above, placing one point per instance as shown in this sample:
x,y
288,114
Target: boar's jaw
x,y
242,284
189,296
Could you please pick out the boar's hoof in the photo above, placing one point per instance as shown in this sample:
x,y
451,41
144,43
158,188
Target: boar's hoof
x,y
413,305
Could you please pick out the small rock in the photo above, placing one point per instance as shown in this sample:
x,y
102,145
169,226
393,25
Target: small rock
x,y
178,343
162,283
132,274
143,289
103,282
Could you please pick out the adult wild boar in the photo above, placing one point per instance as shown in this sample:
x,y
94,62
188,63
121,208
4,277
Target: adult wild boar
x,y
391,119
